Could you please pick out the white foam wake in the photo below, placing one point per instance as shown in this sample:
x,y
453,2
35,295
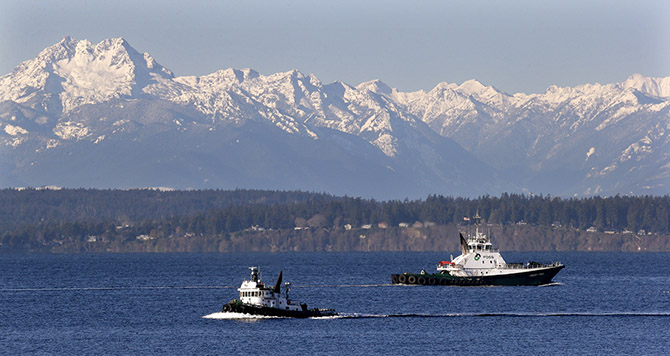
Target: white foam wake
x,y
235,316
242,316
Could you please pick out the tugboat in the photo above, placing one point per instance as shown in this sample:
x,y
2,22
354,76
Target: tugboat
x,y
481,265
258,299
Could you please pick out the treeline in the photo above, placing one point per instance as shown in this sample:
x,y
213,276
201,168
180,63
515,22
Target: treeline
x,y
33,218
617,213
34,206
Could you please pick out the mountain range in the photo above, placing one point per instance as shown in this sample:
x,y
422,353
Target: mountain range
x,y
107,116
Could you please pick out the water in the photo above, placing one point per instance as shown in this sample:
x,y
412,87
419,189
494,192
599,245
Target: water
x,y
159,304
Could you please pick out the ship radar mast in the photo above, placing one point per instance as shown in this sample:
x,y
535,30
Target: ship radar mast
x,y
477,219
254,273
287,289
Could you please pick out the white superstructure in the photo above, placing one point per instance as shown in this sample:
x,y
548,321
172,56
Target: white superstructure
x,y
254,292
479,258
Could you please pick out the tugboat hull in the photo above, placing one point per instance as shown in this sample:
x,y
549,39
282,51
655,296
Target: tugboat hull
x,y
238,307
534,277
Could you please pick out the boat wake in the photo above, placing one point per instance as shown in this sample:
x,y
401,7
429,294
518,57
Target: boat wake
x,y
506,314
552,284
236,316
343,285
240,316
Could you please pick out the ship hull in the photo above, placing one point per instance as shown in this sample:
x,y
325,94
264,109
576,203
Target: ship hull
x,y
237,307
534,277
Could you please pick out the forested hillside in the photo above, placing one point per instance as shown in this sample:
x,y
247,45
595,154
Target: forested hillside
x,y
139,220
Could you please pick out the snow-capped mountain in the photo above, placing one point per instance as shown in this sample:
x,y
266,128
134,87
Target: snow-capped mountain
x,y
587,139
105,115
73,73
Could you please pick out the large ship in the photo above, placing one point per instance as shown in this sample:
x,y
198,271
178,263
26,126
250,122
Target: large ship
x,y
258,299
479,265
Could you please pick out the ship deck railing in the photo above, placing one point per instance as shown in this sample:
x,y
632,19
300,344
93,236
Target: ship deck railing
x,y
530,265
489,250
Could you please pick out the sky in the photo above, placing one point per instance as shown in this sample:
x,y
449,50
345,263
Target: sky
x,y
516,46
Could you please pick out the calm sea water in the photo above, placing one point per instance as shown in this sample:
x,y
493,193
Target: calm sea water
x,y
160,304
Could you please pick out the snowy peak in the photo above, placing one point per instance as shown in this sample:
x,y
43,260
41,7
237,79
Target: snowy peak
x,y
659,87
61,50
117,53
222,79
472,87
78,72
376,86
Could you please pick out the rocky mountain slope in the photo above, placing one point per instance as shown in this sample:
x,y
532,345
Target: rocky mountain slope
x,y
104,115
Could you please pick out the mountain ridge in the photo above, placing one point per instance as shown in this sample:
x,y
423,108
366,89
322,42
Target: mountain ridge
x,y
75,92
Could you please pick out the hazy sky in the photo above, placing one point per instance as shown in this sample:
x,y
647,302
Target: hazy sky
x,y
516,46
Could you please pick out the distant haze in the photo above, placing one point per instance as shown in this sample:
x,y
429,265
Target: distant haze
x,y
520,46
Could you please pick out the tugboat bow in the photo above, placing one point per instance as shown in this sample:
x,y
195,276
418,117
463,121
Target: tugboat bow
x,y
258,299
